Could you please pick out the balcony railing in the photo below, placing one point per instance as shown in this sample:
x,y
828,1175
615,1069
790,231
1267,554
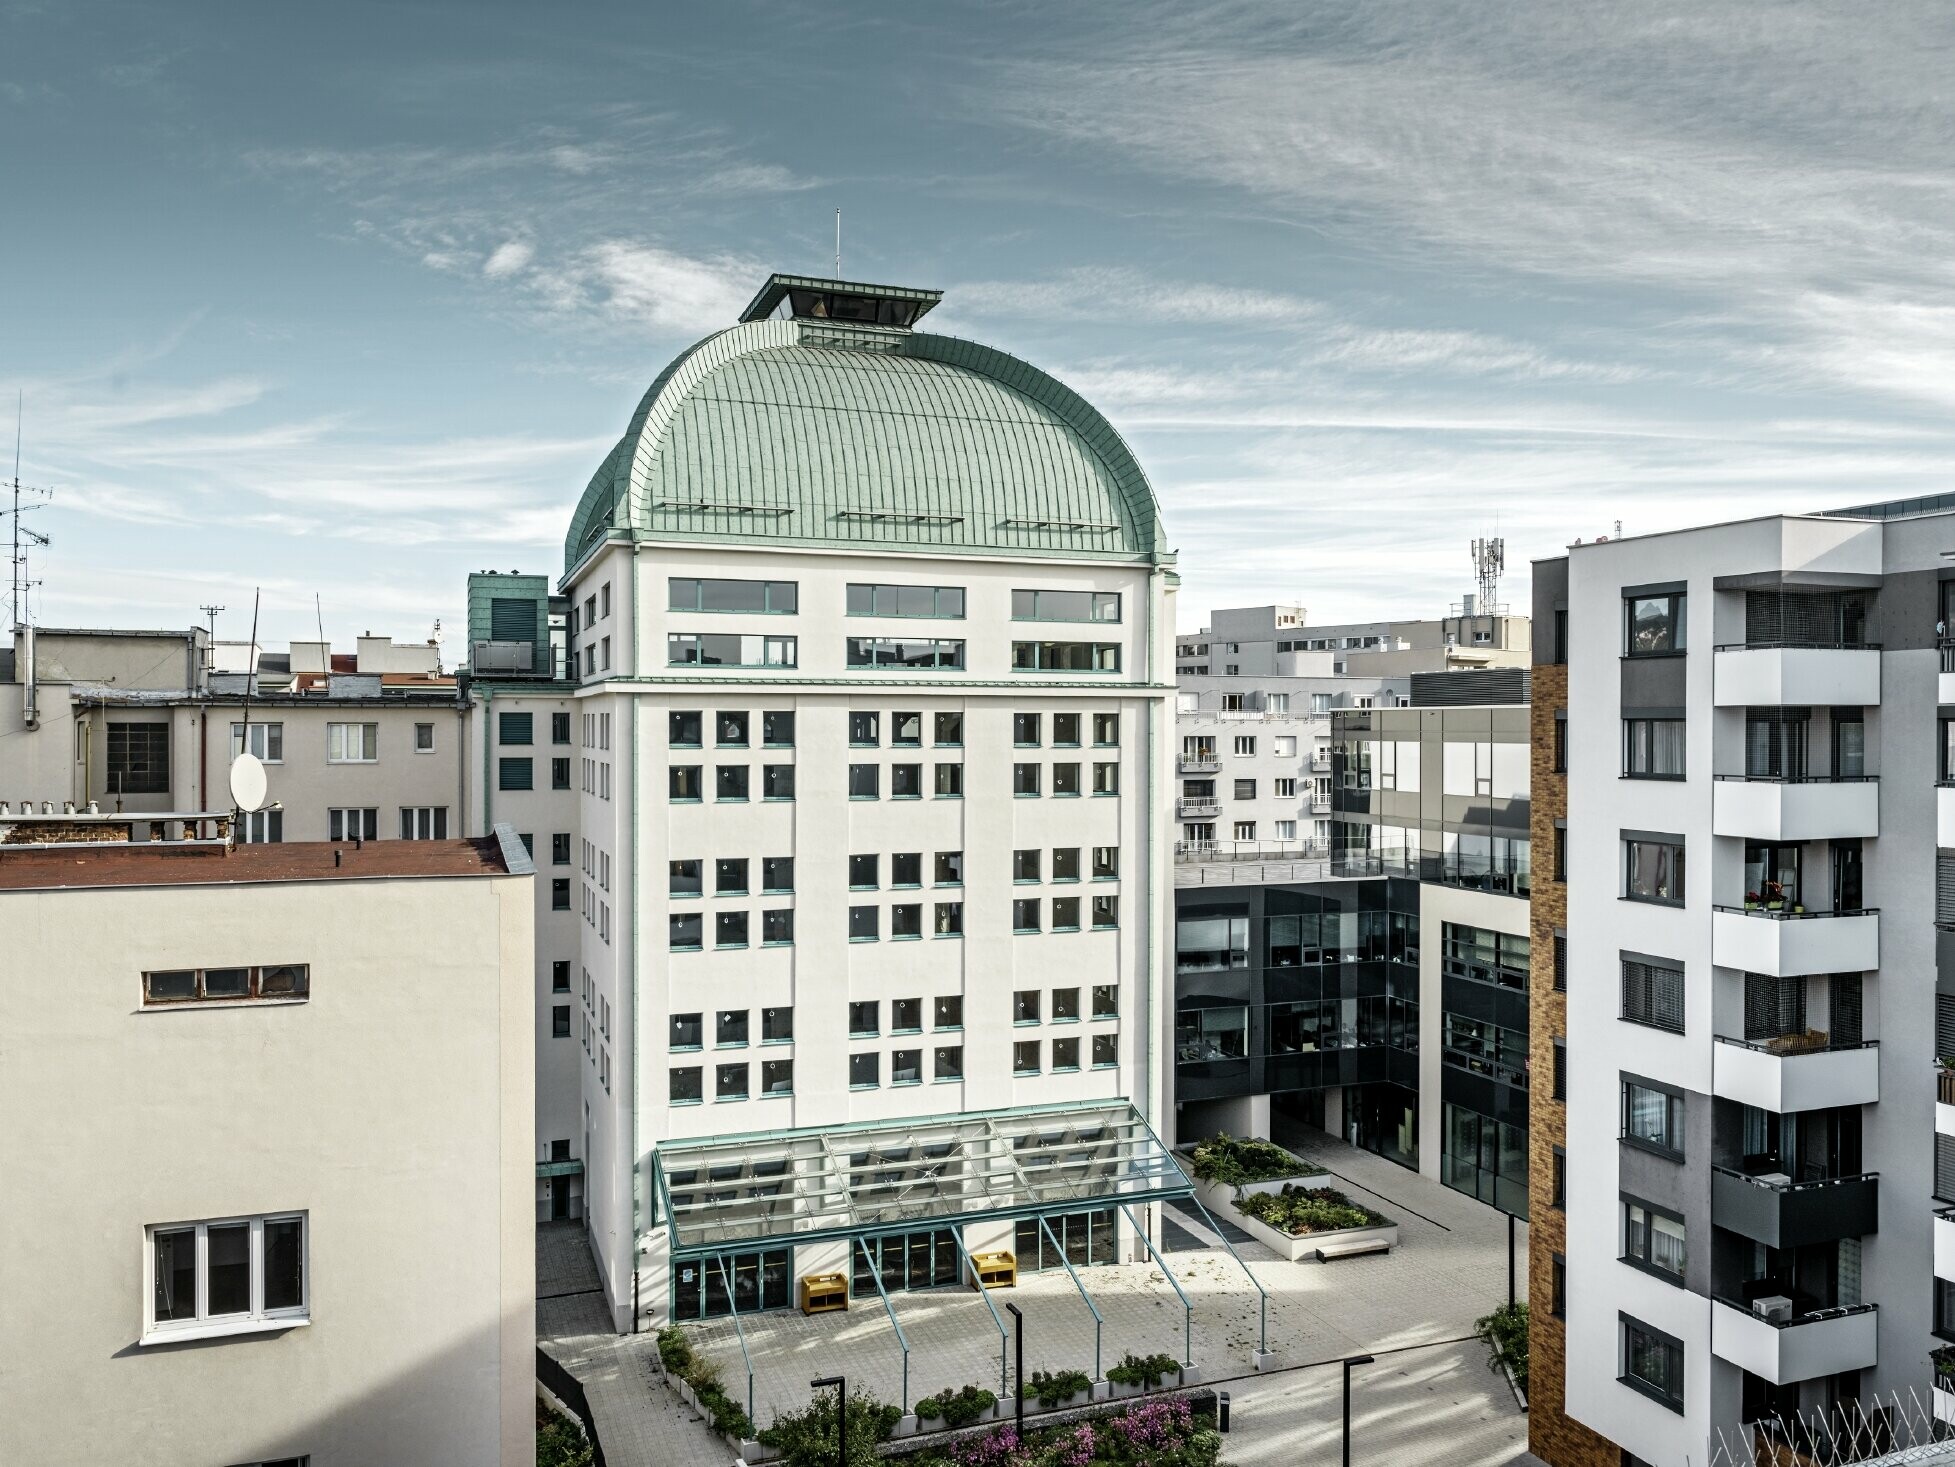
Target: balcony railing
x,y
1781,1213
1794,1072
1818,1342
1197,809
1787,942
1200,764
1944,1085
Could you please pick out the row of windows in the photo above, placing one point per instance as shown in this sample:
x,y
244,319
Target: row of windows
x,y
1026,1007
417,822
1026,914
686,783
281,981
346,743
905,922
734,728
737,649
732,929
519,728
783,598
732,1082
519,773
733,1028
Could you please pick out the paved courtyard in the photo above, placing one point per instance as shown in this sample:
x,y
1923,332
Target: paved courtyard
x,y
1430,1397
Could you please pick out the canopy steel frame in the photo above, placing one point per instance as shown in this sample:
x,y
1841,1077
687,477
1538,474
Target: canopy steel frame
x,y
1187,1309
875,1277
733,1310
1263,1348
970,1271
1099,1323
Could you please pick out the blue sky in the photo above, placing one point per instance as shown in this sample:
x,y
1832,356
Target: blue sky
x,y
352,299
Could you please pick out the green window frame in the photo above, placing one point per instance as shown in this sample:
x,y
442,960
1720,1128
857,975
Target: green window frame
x,y
753,598
942,603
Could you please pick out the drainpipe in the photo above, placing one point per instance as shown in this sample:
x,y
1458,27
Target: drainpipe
x,y
30,710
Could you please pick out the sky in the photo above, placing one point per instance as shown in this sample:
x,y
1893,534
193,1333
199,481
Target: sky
x,y
341,302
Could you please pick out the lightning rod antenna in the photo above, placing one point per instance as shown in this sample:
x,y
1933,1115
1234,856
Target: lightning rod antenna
x,y
838,244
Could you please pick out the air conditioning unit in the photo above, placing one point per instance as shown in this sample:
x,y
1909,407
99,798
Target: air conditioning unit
x,y
1774,1308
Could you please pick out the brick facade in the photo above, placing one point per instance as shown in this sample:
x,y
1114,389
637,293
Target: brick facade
x,y
1551,1435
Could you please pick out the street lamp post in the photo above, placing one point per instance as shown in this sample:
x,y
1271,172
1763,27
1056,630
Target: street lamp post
x,y
841,1384
1018,1368
1350,1362
1510,1260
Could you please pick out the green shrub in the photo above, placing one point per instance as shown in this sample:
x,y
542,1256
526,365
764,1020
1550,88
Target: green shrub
x,y
1049,1388
1144,1370
674,1349
1302,1210
1505,1334
1232,1162
675,1352
559,1440
956,1408
807,1438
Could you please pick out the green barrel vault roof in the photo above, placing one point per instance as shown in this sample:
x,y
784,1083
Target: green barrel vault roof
x,y
802,432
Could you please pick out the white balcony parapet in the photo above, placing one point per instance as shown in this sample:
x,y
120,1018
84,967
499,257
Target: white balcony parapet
x,y
1795,809
1945,1244
1770,677
1945,1100
1788,944
1801,1347
1944,1383
1945,804
1775,1077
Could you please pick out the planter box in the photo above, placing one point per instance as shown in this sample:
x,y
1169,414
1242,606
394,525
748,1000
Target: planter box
x,y
1217,1196
755,1452
1303,1245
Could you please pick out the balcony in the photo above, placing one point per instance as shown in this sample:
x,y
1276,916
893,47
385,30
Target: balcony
x,y
1200,764
1795,1072
1945,1100
1946,691
1791,944
1320,763
1810,808
1945,1244
1320,804
1799,1347
1780,1213
1196,809
1945,814
1770,677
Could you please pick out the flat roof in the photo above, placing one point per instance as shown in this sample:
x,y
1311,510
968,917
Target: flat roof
x,y
172,863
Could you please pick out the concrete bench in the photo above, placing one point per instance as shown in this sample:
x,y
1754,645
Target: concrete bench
x,y
1352,1246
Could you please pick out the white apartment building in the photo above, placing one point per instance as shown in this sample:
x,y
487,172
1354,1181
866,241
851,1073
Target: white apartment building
x,y
1254,760
269,1120
1757,863
872,635
1258,641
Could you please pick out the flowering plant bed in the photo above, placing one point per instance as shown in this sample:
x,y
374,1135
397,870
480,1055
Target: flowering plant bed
x,y
1157,1433
1298,1221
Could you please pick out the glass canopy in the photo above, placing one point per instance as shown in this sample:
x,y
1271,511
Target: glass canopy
x,y
804,1186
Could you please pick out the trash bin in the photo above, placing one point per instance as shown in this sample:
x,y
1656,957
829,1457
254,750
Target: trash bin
x,y
1222,1411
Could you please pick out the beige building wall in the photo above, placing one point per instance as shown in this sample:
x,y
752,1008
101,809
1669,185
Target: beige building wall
x,y
393,1107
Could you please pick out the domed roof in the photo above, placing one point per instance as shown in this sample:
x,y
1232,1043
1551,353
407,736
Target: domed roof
x,y
806,431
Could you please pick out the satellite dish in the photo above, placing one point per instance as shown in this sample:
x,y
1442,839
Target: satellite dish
x,y
247,782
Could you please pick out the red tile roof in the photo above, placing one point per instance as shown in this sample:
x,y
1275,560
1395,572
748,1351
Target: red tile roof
x,y
173,864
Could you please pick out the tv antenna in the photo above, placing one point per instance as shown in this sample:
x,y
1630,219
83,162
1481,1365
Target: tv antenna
x,y
248,787
210,652
838,244
25,540
1489,560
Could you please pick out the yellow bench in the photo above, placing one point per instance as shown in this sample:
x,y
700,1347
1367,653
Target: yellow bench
x,y
995,1270
824,1293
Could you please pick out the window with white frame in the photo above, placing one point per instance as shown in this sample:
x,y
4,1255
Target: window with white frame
x,y
261,827
352,743
1245,830
1286,830
424,822
225,1275
267,741
1245,744
1286,746
424,738
1284,789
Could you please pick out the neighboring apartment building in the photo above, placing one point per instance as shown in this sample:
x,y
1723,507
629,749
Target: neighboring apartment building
x,y
872,634
1758,881
275,1104
1388,1006
1255,759
1260,641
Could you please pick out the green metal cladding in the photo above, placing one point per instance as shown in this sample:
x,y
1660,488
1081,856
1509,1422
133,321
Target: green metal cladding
x,y
803,432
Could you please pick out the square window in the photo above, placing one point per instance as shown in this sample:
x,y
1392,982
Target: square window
x,y
777,926
730,1082
730,730
949,781
906,868
1025,1006
1025,779
1065,1005
906,920
906,781
865,781
776,1025
1025,915
777,781
513,728
1025,865
948,1012
730,1026
1106,729
1106,1001
730,782
865,924
1106,1051
730,876
777,1077
950,1062
1025,730
905,1015
950,919
1653,626
906,730
906,1067
950,868
684,783
1106,779
1065,779
1025,1057
864,730
777,730
863,873
949,730
1065,863
777,873
1106,862
685,1085
865,1071
1065,1054
683,729
684,879
515,774
865,1018
1065,728
687,931
1065,914
730,929
1106,912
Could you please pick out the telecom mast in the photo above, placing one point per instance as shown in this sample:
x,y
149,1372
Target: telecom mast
x,y
1489,560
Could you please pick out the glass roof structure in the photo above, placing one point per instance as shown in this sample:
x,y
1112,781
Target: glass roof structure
x,y
777,1188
